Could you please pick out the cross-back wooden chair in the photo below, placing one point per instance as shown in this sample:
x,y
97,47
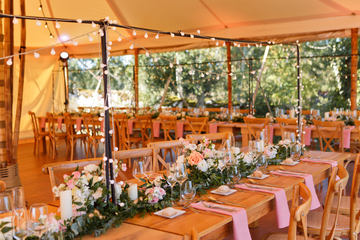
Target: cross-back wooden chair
x,y
53,135
125,140
52,168
297,213
72,137
325,224
283,122
169,124
93,138
338,128
146,124
139,153
213,137
38,135
256,124
173,147
198,125
2,186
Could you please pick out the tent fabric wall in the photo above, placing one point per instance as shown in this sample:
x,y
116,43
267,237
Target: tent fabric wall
x,y
37,96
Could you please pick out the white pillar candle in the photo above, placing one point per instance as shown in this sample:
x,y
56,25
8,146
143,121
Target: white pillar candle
x,y
326,115
206,113
262,145
258,146
133,192
292,113
66,204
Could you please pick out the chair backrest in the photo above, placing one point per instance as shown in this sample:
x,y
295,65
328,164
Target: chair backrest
x,y
52,168
145,123
34,123
198,125
333,127
354,213
335,187
139,153
2,186
174,146
254,124
299,212
122,127
357,127
69,125
89,124
285,122
169,123
51,124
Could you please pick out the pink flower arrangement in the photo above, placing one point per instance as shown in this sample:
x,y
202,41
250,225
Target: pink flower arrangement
x,y
155,194
123,167
207,153
195,158
76,174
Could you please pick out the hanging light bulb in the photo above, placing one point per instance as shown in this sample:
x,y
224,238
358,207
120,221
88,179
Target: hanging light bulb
x,y
202,75
132,46
224,44
171,65
113,28
75,43
198,31
38,23
134,33
90,38
52,51
192,36
101,33
172,34
156,59
146,35
15,21
57,25
217,43
218,77
110,43
51,36
79,20
182,33
9,62
46,25
94,33
40,7
212,39
36,55
157,36
248,45
119,39
108,48
234,77
93,24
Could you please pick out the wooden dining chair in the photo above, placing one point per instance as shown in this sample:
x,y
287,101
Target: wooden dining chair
x,y
38,135
93,138
297,213
256,124
54,136
325,224
336,128
174,147
60,167
283,122
2,186
169,124
126,155
72,137
198,125
146,128
214,137
125,140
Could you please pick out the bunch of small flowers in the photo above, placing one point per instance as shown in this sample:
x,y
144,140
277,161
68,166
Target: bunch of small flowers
x,y
155,194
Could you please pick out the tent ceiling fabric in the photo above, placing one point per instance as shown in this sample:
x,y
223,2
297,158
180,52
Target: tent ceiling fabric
x,y
241,19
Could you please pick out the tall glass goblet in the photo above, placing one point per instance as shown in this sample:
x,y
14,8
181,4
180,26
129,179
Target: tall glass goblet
x,y
287,141
262,163
189,191
171,178
19,213
181,177
148,167
138,170
6,209
38,223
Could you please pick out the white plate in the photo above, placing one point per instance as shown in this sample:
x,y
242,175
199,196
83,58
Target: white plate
x,y
259,178
222,193
289,164
178,213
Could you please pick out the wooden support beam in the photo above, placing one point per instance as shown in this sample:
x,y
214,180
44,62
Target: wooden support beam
x,y
3,157
136,79
354,64
228,55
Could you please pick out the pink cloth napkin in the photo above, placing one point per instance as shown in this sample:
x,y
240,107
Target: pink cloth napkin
x,y
78,124
180,129
282,207
60,120
213,127
308,134
240,222
42,122
309,182
130,126
271,132
327,161
347,134
156,128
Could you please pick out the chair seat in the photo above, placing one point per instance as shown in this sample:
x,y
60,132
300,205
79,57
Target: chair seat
x,y
344,205
135,139
44,133
314,220
280,236
80,135
59,135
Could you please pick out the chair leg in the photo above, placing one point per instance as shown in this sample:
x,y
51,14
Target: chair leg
x,y
72,151
94,148
34,146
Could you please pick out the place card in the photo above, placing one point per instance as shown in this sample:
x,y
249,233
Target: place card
x,y
178,213
289,164
231,191
259,178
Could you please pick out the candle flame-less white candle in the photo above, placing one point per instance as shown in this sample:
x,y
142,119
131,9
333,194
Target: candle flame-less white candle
x,y
326,115
133,192
66,204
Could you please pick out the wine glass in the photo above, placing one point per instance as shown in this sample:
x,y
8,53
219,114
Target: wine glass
x,y
171,178
138,170
295,152
189,191
181,176
148,167
19,213
262,163
38,223
287,141
236,174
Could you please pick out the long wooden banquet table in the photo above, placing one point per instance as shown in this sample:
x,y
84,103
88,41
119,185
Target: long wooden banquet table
x,y
211,226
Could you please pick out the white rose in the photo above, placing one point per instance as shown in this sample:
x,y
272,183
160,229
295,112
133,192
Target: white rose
x,y
235,150
192,147
248,159
180,159
56,191
91,168
287,141
118,190
221,164
98,193
157,181
199,147
203,166
210,162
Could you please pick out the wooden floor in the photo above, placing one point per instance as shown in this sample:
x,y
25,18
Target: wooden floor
x,y
38,190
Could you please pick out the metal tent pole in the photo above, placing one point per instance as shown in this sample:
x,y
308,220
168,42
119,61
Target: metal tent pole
x,y
299,91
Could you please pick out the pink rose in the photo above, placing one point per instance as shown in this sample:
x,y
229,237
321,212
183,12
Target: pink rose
x,y
65,176
70,184
123,166
267,151
195,158
207,153
155,200
76,174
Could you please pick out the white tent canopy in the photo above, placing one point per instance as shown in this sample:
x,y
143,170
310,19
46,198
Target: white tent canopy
x,y
275,20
